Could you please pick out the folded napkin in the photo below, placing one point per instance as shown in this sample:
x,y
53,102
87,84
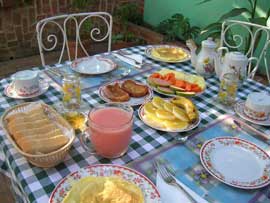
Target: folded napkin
x,y
128,59
171,194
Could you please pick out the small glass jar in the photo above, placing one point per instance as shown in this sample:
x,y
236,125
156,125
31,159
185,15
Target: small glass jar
x,y
228,89
71,92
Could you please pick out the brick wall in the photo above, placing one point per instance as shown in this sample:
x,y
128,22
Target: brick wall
x,y
17,22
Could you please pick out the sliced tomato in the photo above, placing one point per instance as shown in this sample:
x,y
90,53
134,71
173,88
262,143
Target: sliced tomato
x,y
188,87
156,75
196,89
180,83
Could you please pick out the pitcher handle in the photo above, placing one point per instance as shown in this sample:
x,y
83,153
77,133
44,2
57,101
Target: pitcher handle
x,y
252,73
220,49
83,139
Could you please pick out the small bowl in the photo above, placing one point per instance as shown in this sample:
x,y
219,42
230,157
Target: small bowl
x,y
257,105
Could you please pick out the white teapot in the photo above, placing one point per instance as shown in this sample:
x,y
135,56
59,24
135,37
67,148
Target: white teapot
x,y
204,61
233,62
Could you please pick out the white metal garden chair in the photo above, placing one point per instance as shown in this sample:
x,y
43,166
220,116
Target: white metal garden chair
x,y
61,22
254,31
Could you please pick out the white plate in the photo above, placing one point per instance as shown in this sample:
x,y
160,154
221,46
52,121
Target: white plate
x,y
236,162
93,65
148,53
190,127
151,194
132,101
239,110
10,92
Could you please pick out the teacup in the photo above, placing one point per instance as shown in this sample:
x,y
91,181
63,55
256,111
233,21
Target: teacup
x,y
25,82
257,105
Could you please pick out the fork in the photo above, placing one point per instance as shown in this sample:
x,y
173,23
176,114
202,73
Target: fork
x,y
169,179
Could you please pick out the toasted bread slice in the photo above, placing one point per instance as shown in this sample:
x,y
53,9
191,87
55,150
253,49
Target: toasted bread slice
x,y
115,93
43,145
134,89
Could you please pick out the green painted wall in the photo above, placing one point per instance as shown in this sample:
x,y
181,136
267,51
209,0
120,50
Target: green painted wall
x,y
201,15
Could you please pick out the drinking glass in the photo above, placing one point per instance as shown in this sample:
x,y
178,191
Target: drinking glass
x,y
228,89
109,131
71,91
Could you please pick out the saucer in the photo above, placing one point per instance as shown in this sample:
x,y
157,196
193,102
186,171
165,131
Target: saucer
x,y
239,110
10,92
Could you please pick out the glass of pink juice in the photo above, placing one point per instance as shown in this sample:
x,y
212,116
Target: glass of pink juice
x,y
110,129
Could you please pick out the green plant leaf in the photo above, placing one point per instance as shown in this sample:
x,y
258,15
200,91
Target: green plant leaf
x,y
232,13
259,20
250,3
212,26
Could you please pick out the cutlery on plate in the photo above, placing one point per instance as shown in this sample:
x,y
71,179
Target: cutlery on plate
x,y
128,60
253,131
170,179
128,57
55,72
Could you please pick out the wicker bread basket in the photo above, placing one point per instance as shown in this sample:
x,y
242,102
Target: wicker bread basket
x,y
42,160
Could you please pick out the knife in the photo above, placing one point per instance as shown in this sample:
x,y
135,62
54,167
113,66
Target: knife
x,y
128,60
253,131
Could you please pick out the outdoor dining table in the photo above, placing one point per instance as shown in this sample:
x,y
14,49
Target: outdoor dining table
x,y
35,184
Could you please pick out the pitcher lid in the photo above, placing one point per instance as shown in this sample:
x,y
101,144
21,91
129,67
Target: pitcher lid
x,y
237,56
209,43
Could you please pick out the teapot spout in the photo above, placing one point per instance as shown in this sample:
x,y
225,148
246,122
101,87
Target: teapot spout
x,y
193,47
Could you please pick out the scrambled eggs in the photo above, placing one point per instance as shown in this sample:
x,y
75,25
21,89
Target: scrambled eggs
x,y
168,53
104,190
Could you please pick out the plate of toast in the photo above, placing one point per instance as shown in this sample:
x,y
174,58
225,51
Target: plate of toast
x,y
129,92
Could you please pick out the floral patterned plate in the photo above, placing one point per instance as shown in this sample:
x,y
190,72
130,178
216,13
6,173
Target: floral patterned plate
x,y
141,114
93,65
151,193
10,91
236,162
132,101
170,52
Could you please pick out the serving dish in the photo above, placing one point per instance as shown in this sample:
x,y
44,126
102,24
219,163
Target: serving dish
x,y
132,101
236,162
176,83
151,194
167,123
41,160
93,65
167,53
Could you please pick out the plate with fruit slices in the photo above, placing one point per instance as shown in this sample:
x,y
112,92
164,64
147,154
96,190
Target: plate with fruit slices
x,y
174,115
175,83
129,92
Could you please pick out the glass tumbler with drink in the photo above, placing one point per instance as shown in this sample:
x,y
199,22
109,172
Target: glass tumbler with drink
x,y
71,92
228,89
72,101
109,131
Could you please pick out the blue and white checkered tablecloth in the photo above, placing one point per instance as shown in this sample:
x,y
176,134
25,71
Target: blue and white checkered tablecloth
x,y
36,184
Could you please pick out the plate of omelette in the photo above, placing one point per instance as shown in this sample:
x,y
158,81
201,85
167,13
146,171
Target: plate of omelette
x,y
168,53
105,183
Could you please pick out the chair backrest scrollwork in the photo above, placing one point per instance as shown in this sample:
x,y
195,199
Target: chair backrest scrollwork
x,y
77,20
247,42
